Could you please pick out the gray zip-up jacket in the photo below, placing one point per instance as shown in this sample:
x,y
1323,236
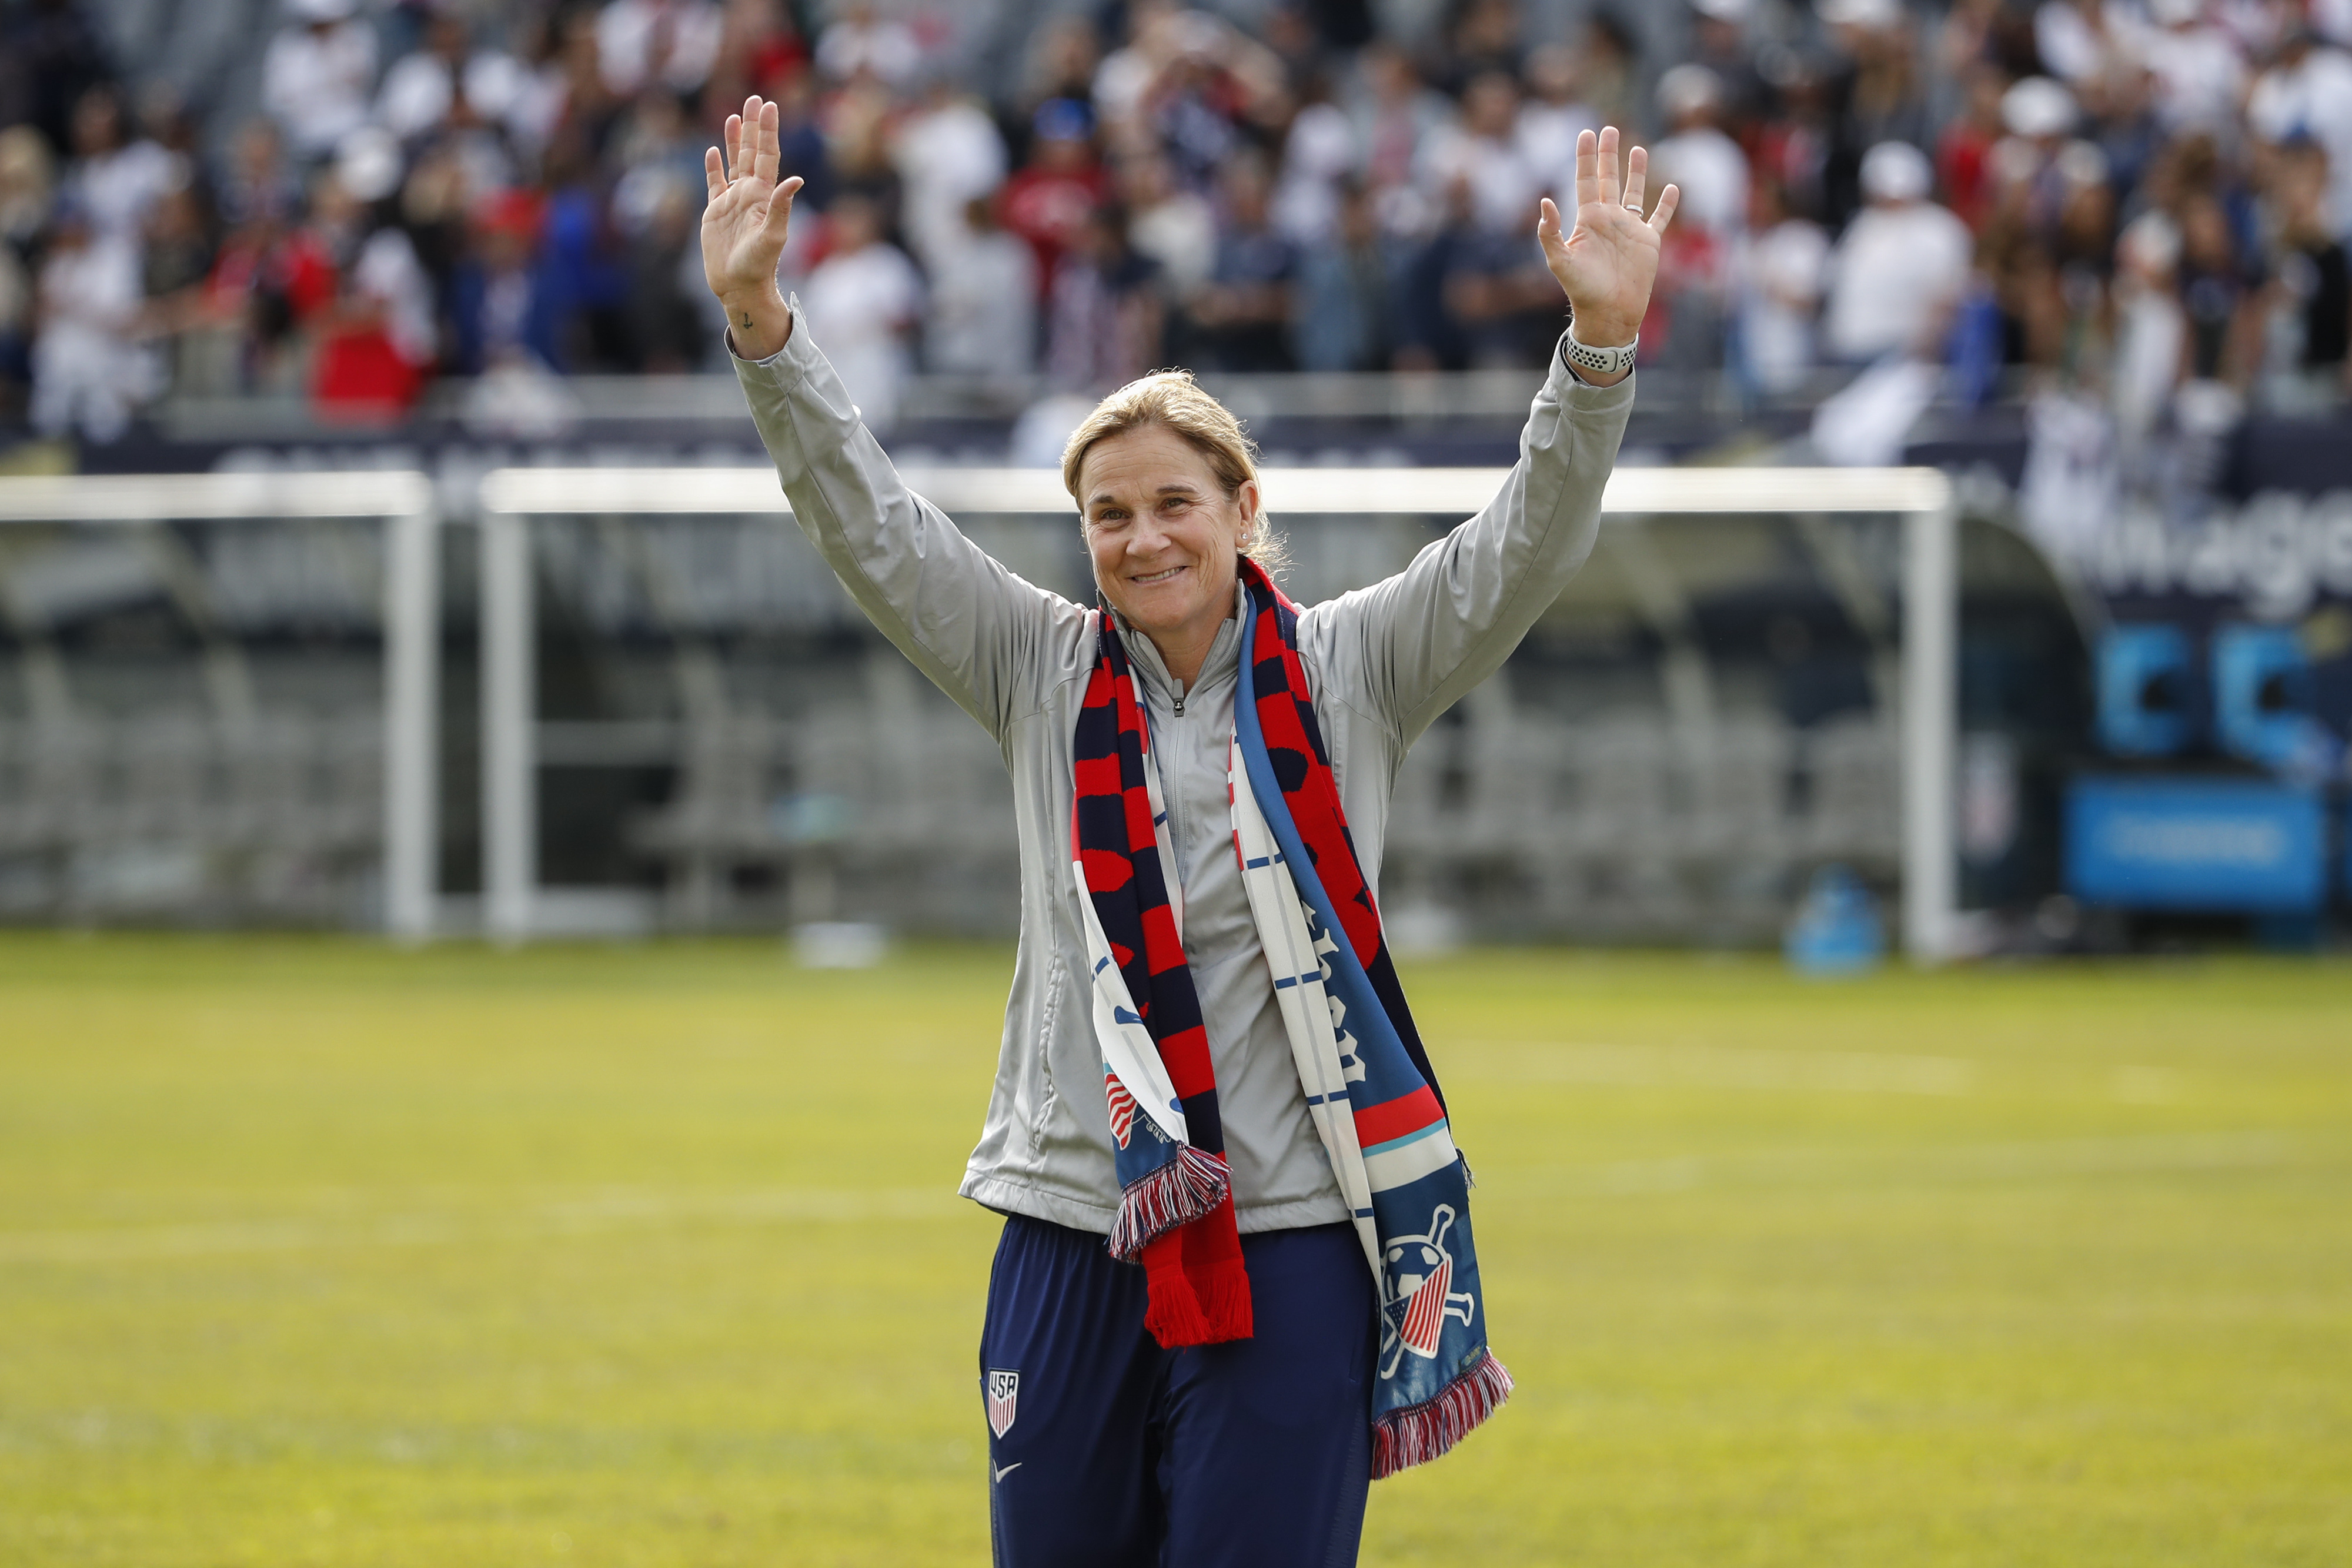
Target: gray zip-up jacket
x,y
1384,661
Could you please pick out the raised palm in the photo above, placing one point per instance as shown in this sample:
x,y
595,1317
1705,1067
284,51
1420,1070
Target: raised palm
x,y
1609,261
747,217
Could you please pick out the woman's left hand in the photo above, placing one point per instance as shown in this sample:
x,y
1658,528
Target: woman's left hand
x,y
1609,264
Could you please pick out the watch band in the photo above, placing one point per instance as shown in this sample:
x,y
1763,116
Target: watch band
x,y
1600,361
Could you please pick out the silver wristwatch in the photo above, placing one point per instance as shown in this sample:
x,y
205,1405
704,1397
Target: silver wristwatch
x,y
1597,362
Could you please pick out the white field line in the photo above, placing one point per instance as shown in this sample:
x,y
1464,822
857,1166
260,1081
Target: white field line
x,y
1718,1067
2130,1154
586,1215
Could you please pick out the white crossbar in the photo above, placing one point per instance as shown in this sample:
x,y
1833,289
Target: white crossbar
x,y
1325,491
194,497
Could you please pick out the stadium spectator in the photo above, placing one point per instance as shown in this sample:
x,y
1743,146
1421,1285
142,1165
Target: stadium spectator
x,y
1047,201
1242,314
860,42
1611,72
2220,283
2305,93
318,78
982,317
670,44
1779,273
1719,43
1900,265
1346,310
1481,149
2151,332
1394,114
668,323
1483,41
450,82
175,262
2030,183
1964,149
760,50
1106,326
1063,61
1317,154
1552,117
501,310
1874,93
374,340
1696,156
89,372
948,153
2198,68
869,297
112,178
27,187
2314,277
1175,227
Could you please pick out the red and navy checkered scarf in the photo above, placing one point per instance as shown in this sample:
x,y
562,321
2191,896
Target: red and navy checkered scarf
x,y
1369,1082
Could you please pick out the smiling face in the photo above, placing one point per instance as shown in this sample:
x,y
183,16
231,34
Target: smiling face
x,y
1164,536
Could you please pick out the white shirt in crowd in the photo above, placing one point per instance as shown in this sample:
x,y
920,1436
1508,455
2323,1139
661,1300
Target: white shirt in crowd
x,y
983,309
946,156
1178,231
1898,267
2199,75
318,85
1546,135
629,31
2312,98
1713,173
1320,152
1503,184
87,372
860,304
2081,41
419,91
388,272
880,45
1780,274
117,188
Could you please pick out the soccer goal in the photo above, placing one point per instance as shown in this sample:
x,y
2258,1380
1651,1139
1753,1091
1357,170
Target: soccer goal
x,y
1755,674
218,699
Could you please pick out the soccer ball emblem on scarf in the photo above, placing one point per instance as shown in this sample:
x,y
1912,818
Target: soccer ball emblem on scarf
x,y
1419,1275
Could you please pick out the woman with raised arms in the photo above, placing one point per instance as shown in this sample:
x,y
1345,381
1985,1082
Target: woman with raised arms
x,y
1237,1279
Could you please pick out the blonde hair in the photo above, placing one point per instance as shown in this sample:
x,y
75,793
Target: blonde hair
x,y
1171,399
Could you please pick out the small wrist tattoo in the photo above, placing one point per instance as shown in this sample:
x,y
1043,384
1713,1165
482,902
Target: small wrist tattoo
x,y
747,318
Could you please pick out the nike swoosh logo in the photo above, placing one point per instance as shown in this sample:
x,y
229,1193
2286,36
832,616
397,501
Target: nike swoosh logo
x,y
1010,1469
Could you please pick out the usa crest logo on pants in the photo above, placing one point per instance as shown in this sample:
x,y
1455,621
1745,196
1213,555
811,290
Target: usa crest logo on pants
x,y
1002,1395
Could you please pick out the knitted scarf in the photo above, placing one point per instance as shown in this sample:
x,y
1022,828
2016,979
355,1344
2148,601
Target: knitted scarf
x,y
1369,1087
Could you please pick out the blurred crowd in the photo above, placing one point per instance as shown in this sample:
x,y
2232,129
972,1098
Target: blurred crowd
x,y
2127,196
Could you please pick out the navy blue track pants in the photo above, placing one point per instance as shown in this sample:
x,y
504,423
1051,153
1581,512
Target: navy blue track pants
x,y
1108,1451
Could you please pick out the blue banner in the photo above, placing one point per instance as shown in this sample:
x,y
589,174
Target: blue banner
x,y
2231,846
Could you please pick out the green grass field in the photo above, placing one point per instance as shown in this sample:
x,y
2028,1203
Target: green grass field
x,y
312,1253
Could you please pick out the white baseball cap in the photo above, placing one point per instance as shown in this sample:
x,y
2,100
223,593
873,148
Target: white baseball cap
x,y
1895,171
1860,13
2038,106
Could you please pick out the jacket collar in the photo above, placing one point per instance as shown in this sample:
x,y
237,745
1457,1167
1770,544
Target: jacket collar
x,y
1223,662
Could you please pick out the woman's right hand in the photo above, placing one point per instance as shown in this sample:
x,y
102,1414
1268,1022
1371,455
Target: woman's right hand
x,y
743,229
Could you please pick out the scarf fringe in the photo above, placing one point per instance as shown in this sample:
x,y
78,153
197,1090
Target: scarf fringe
x,y
1422,1432
1183,1190
1180,1317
